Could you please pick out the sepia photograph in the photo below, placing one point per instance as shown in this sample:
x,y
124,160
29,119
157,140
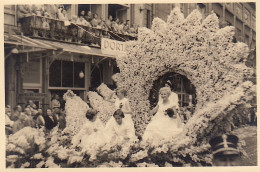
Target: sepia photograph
x,y
107,85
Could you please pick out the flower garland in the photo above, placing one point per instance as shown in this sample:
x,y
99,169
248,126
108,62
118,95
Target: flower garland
x,y
201,51
76,110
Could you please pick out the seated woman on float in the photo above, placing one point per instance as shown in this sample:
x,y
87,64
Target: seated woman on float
x,y
90,138
166,123
118,132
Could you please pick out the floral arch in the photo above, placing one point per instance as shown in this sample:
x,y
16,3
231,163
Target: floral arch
x,y
197,49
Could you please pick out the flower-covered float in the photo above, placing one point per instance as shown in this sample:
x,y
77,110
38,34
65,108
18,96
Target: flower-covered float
x,y
192,47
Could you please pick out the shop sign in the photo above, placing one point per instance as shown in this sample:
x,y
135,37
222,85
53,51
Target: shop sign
x,y
112,47
33,96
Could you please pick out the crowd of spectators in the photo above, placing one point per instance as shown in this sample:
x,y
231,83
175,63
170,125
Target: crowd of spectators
x,y
55,11
18,118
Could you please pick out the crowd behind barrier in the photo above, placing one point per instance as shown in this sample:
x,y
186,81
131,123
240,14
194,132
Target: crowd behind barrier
x,y
18,118
51,21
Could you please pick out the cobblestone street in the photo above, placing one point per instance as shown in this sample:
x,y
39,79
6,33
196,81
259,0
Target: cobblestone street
x,y
249,134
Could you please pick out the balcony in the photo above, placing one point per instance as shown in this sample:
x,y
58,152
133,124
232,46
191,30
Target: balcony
x,y
64,31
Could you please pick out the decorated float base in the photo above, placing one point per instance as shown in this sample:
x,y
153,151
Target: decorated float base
x,y
195,48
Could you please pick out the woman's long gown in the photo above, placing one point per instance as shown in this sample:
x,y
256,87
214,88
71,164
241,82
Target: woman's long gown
x,y
122,104
90,138
119,135
162,127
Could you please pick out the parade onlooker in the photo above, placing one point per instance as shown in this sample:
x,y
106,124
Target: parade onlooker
x,y
109,22
20,123
127,26
51,9
39,119
62,13
23,10
121,27
89,16
115,25
50,120
74,19
225,152
81,21
82,13
15,115
30,122
95,21
19,108
62,120
37,9
8,122
55,101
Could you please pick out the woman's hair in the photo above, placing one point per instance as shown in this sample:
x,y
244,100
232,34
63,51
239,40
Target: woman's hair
x,y
170,112
123,91
90,114
166,89
119,112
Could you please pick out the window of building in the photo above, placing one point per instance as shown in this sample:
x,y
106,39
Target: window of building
x,y
118,11
83,7
202,8
247,39
148,19
96,76
66,74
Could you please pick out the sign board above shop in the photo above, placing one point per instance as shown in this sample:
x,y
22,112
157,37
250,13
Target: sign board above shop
x,y
112,47
33,96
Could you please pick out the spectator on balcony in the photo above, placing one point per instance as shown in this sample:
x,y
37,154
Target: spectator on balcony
x,y
121,27
88,17
81,21
109,22
95,21
115,25
127,26
37,9
133,30
52,10
74,19
23,10
62,14
82,13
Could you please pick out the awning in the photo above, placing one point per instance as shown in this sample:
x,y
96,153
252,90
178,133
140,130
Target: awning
x,y
26,44
74,48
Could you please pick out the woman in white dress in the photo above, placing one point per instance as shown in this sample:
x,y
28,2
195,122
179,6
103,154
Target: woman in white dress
x,y
173,96
90,138
121,102
162,126
119,133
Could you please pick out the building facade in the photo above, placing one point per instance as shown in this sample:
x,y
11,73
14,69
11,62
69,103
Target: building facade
x,y
46,56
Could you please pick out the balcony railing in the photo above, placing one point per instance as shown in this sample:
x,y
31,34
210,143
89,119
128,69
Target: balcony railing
x,y
53,29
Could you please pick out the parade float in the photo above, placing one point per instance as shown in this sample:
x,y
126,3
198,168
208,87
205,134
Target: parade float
x,y
195,48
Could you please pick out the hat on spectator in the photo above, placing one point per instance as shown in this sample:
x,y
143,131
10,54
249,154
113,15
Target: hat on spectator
x,y
224,145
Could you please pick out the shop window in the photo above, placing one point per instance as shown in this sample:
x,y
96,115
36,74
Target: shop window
x,y
78,68
55,74
32,71
67,74
118,11
96,76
